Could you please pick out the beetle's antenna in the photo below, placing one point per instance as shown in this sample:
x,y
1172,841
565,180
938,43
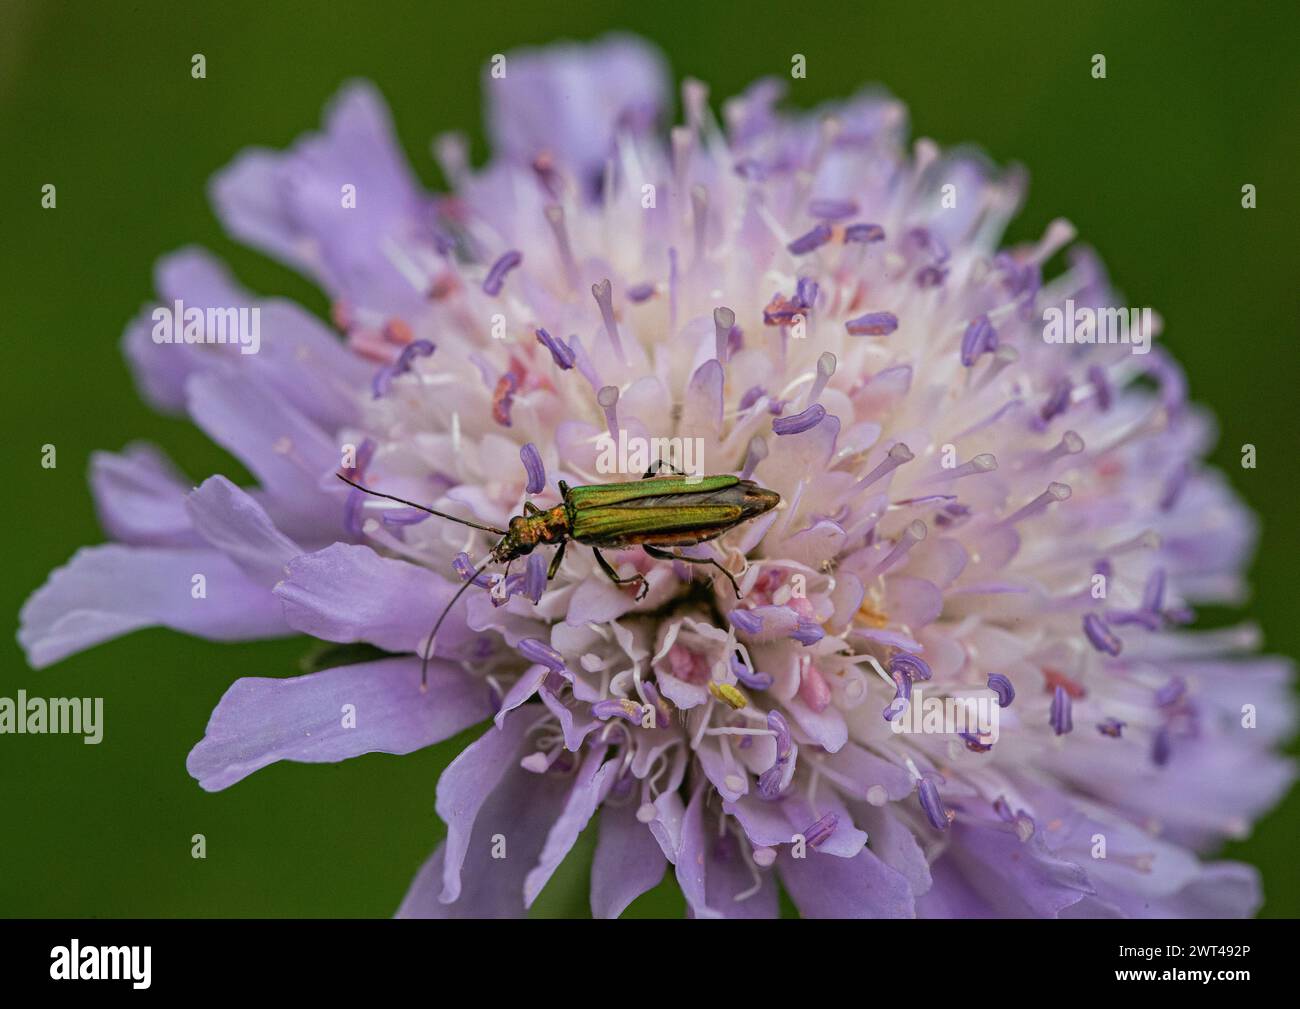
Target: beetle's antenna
x,y
412,504
428,650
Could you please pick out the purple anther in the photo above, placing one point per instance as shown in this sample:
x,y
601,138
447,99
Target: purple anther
x,y
829,209
1100,387
799,422
561,354
807,632
912,666
820,831
1061,715
1001,686
462,566
810,241
931,803
1161,747
532,460
777,724
751,678
980,338
872,324
383,379
1058,400
1101,636
864,233
496,276
1172,692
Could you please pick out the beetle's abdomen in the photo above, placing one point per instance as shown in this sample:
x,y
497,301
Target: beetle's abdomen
x,y
672,519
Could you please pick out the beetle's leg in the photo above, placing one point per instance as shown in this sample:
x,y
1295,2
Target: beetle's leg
x,y
613,576
531,509
666,555
564,489
555,561
657,465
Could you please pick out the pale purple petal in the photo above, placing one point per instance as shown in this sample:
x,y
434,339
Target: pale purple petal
x,y
823,886
105,592
518,812
590,784
627,862
467,783
332,715
576,722
734,886
348,592
232,522
140,497
286,452
1020,878
691,854
521,691
568,101
288,203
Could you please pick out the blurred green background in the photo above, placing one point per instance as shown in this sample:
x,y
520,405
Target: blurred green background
x,y
98,99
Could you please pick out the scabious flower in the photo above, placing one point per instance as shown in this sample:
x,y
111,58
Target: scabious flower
x,y
830,312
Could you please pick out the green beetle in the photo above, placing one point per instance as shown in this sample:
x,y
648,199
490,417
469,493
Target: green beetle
x,y
654,513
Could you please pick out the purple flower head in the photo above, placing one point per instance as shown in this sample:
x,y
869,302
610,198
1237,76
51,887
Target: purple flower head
x,y
881,576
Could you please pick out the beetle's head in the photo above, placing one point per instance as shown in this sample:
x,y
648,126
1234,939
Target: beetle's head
x,y
519,540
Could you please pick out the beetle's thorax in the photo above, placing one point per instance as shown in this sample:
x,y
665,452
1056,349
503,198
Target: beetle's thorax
x,y
528,531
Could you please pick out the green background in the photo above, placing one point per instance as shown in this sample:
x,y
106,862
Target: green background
x,y
98,99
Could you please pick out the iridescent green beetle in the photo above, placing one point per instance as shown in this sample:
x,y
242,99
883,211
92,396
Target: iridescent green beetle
x,y
654,513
